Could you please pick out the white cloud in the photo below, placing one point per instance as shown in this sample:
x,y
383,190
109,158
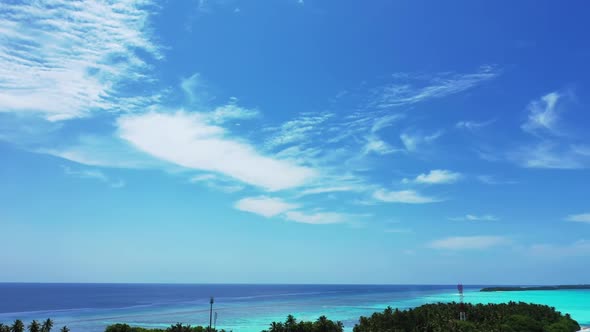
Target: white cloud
x,y
583,217
264,206
473,125
316,218
385,121
323,190
271,207
195,89
411,89
436,176
473,217
553,147
548,154
297,130
231,111
187,140
469,242
402,196
64,59
376,145
543,114
412,141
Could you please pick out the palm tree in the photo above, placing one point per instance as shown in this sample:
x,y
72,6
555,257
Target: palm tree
x,y
47,325
35,326
17,326
276,327
290,323
65,329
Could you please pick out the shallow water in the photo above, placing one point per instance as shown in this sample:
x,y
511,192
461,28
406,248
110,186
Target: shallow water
x,y
244,308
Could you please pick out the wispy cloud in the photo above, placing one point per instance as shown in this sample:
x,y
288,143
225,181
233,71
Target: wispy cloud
x,y
473,217
469,242
493,180
543,115
297,130
187,140
412,141
582,217
271,207
105,151
410,89
403,196
329,189
376,145
231,111
551,147
264,206
64,59
579,248
473,125
436,176
217,182
550,154
315,218
93,174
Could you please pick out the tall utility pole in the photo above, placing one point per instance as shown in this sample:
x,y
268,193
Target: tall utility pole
x,y
211,313
462,315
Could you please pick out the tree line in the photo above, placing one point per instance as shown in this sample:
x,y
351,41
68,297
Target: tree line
x,y
35,326
440,317
504,317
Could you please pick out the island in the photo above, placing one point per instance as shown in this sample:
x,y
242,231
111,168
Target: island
x,y
532,288
456,317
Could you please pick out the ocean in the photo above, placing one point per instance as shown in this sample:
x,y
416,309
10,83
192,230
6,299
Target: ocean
x,y
242,307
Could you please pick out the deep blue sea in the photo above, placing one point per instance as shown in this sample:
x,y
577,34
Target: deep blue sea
x,y
243,308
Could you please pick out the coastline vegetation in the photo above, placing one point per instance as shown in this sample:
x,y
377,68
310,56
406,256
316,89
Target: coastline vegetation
x,y
19,326
518,288
504,317
440,317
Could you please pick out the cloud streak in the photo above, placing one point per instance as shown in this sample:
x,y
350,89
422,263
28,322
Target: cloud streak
x,y
403,196
65,60
469,242
411,89
264,206
473,217
93,174
436,176
582,217
187,140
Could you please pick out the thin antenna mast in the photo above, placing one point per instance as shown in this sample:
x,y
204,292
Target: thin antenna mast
x,y
211,312
462,315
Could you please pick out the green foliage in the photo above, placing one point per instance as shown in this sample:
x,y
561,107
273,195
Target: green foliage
x,y
64,329
322,324
17,326
35,326
47,325
505,317
4,328
178,327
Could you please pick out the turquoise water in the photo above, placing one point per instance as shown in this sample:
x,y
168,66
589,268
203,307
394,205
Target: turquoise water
x,y
244,308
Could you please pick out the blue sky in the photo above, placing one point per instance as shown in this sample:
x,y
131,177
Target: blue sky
x,y
295,141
